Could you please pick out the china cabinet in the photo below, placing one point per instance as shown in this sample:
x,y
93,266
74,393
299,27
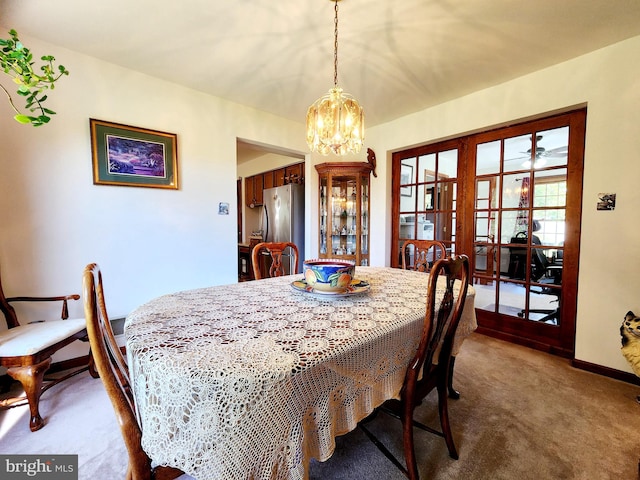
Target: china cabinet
x,y
344,211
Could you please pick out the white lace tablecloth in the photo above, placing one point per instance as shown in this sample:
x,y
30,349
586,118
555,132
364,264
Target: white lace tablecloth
x,y
252,380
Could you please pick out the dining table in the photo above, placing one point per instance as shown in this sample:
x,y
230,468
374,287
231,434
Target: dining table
x,y
252,380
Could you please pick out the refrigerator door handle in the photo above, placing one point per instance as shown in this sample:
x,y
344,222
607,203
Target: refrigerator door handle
x,y
266,216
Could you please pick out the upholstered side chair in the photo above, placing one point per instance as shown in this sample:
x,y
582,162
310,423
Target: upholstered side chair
x,y
26,350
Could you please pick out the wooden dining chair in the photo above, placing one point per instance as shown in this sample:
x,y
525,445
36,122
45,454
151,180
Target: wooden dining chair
x,y
420,255
276,251
26,350
443,313
114,372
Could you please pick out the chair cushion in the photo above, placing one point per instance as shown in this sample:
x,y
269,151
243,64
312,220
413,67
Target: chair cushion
x,y
34,337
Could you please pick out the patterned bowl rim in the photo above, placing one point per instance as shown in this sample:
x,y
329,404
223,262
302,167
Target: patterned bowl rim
x,y
314,262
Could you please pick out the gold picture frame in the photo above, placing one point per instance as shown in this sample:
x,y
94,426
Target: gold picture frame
x,y
133,156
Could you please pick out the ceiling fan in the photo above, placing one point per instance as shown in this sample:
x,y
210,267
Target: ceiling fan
x,y
540,154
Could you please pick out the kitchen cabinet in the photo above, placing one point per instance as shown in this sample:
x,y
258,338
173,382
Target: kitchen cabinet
x,y
249,187
267,180
253,187
278,176
245,269
294,173
344,210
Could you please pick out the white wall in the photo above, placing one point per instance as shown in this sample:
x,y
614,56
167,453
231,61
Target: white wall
x,y
147,241
605,80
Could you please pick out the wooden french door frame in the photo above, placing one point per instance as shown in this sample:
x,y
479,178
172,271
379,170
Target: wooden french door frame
x,y
460,215
557,339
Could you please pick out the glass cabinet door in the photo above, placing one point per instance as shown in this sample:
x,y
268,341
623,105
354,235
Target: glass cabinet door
x,y
336,213
364,220
323,216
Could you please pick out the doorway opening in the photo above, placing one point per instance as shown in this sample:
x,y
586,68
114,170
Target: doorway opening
x,y
252,160
261,168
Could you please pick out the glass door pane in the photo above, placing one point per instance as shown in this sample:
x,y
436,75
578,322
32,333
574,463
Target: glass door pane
x,y
323,215
364,220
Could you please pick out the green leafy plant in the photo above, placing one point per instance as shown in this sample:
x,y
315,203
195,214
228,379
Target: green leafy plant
x,y
17,61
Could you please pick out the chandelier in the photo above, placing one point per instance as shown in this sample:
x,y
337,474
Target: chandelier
x,y
335,122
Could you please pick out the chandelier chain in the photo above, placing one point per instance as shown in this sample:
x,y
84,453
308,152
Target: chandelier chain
x,y
335,46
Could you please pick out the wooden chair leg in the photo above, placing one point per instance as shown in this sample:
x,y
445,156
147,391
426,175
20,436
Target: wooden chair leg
x,y
92,366
444,420
31,377
453,393
410,459
408,443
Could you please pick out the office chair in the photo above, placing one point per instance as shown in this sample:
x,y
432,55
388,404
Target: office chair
x,y
545,272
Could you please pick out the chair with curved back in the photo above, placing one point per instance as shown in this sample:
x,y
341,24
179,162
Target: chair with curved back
x,y
276,251
420,255
114,372
26,350
443,312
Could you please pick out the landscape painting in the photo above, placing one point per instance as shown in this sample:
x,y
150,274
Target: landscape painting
x,y
133,156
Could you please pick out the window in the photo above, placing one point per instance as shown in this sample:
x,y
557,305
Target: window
x,y
550,193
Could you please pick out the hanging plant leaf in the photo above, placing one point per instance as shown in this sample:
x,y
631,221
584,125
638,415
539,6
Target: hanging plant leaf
x,y
17,61
22,119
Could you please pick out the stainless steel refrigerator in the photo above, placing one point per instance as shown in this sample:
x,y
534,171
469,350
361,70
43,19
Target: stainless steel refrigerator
x,y
283,218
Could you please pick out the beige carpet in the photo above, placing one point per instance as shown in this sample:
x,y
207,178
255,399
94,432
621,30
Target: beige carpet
x,y
523,415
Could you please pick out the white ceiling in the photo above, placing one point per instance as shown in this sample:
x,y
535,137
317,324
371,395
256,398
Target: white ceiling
x,y
395,57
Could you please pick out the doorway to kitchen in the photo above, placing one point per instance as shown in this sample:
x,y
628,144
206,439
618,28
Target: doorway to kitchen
x,y
262,168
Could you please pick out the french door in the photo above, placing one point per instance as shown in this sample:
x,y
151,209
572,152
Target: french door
x,y
426,199
510,199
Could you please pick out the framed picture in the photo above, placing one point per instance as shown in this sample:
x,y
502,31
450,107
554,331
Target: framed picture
x,y
133,156
406,176
606,201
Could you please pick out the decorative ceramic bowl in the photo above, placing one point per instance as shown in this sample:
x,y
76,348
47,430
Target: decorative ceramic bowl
x,y
329,275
